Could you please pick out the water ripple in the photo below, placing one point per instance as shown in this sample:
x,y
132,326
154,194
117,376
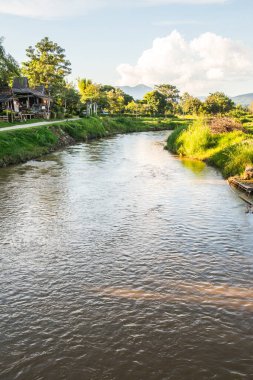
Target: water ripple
x,y
120,261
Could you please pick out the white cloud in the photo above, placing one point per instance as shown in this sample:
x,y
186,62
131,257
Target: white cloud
x,y
50,9
206,63
46,9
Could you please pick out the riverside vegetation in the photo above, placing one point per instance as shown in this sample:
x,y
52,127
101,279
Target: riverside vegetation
x,y
230,151
23,144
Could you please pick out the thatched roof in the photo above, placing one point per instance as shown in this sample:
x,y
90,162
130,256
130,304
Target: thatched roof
x,y
5,94
29,91
21,88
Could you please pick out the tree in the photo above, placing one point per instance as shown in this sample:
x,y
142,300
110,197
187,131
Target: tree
x,y
218,103
116,101
136,107
171,94
82,84
8,67
89,91
106,88
189,104
127,98
108,97
132,107
68,99
46,65
239,111
156,102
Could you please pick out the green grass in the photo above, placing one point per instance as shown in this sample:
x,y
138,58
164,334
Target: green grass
x,y
23,144
247,122
229,152
170,123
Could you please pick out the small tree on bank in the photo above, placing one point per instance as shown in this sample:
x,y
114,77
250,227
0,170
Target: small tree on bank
x,y
156,102
171,95
218,103
190,105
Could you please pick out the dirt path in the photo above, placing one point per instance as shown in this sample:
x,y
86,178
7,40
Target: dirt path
x,y
39,124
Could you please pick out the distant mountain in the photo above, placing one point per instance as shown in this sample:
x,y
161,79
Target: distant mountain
x,y
137,92
244,100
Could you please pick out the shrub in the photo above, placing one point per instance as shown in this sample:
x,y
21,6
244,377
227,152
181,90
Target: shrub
x,y
60,115
224,124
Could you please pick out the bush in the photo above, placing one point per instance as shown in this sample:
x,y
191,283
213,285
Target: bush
x,y
60,115
224,124
68,116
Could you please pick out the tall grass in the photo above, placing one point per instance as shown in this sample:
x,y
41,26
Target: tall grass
x,y
229,152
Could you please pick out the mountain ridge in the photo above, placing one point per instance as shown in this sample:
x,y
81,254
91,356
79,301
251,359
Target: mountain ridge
x,y
137,92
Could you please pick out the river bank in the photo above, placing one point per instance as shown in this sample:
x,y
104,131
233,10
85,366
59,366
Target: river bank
x,y
21,145
230,152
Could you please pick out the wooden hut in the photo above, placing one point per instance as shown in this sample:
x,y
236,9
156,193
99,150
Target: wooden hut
x,y
25,102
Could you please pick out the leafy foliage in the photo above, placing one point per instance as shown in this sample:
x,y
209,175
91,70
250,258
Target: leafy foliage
x,y
190,105
46,65
230,152
171,95
89,91
8,67
156,102
218,103
116,101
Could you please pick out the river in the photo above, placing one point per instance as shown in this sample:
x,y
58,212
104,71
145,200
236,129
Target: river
x,y
122,262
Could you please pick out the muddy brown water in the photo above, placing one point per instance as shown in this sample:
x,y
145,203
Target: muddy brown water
x,y
119,261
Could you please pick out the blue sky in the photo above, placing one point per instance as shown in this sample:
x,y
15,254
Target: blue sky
x,y
201,45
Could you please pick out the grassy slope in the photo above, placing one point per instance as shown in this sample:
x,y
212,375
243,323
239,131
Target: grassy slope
x,y
23,144
229,152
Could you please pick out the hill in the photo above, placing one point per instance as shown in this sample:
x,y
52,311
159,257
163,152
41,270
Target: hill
x,y
244,100
137,92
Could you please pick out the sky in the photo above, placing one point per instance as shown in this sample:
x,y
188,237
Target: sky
x,y
201,46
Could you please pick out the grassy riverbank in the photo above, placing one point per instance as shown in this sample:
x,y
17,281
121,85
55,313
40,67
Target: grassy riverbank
x,y
230,152
23,144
